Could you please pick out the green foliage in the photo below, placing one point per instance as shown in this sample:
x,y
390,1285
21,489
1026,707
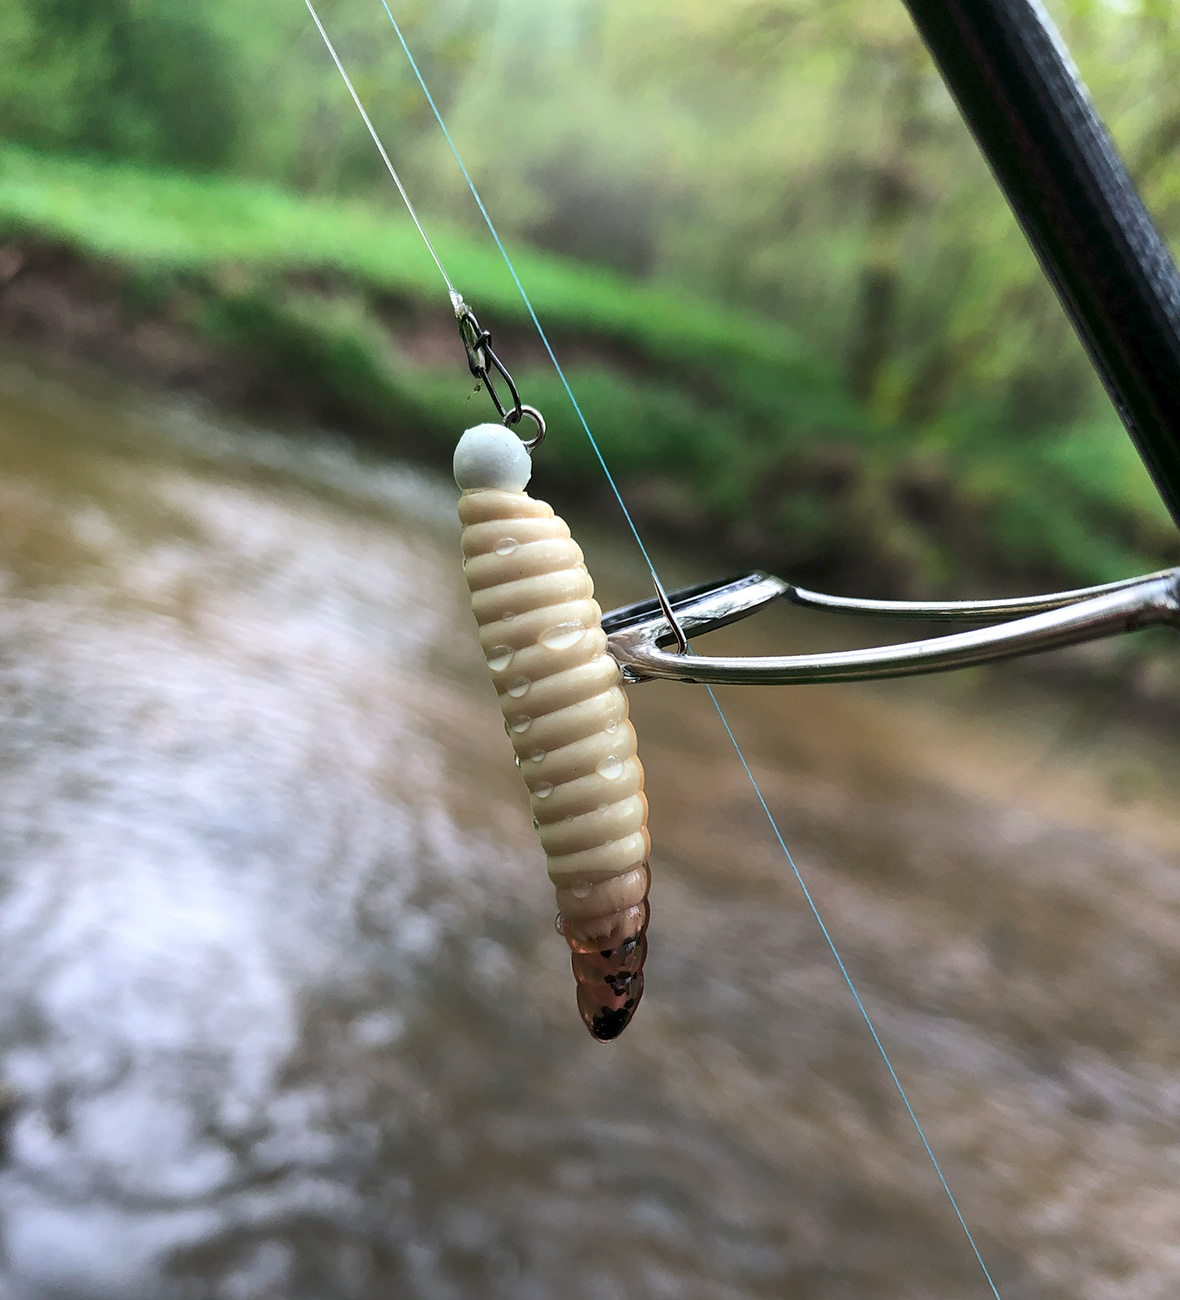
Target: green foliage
x,y
719,423
809,323
148,81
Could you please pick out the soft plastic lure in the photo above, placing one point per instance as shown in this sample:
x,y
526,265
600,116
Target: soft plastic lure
x,y
541,632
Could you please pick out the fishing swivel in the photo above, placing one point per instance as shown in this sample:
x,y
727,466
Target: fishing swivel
x,y
484,363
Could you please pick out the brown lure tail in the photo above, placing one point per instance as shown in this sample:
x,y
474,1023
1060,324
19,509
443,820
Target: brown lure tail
x,y
541,633
609,971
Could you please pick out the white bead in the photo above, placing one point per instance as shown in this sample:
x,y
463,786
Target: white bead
x,y
491,456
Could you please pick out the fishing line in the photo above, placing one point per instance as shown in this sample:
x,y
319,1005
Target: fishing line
x,y
853,990
614,487
813,907
397,180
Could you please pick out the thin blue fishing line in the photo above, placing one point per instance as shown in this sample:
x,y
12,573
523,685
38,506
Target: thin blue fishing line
x,y
524,296
716,703
852,989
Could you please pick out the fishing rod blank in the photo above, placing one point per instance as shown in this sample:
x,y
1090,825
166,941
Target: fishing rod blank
x,y
1025,103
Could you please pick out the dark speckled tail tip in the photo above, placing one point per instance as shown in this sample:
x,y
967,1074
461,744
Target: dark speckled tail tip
x,y
604,1020
610,979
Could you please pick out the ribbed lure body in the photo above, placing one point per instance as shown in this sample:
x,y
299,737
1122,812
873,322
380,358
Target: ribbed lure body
x,y
541,633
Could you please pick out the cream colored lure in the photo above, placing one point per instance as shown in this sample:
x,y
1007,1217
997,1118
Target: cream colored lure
x,y
541,633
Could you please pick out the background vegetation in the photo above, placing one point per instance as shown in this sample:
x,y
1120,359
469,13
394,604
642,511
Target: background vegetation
x,y
799,314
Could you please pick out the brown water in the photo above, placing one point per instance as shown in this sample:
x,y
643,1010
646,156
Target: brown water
x,y
284,1011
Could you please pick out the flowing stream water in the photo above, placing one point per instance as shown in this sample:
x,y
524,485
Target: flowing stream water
x,y
283,1011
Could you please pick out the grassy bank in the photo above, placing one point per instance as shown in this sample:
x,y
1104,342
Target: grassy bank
x,y
718,425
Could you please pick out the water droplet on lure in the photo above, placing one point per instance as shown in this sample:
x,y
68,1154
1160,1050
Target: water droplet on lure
x,y
519,687
506,545
580,888
521,725
499,657
516,759
543,790
536,824
537,755
611,726
610,768
562,635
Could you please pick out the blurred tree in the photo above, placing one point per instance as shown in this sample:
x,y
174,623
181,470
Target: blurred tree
x,y
149,81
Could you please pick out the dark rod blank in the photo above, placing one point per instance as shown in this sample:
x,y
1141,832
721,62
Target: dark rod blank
x,y
1032,117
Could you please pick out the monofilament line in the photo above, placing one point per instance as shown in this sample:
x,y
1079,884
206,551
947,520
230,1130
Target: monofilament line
x,y
397,180
860,1006
721,713
524,297
643,549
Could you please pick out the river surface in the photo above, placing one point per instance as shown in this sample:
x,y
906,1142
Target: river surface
x,y
284,1015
